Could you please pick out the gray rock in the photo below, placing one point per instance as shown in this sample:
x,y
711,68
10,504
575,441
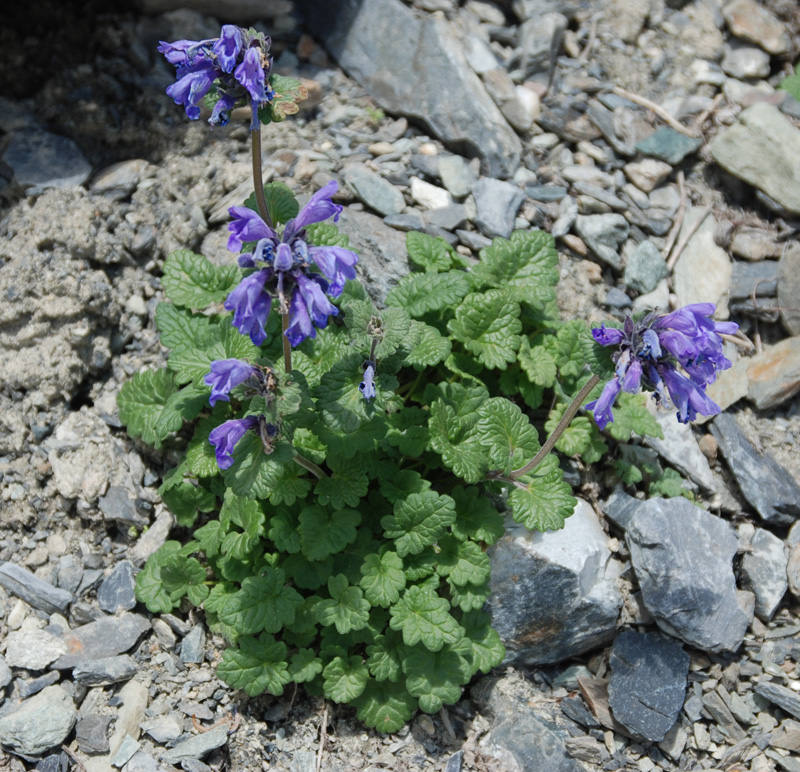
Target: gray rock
x,y
55,762
117,592
600,194
69,574
759,279
668,145
164,729
41,160
522,736
382,255
456,175
497,204
34,591
118,505
646,268
792,573
39,723
540,41
745,62
5,674
450,218
406,221
763,149
603,234
193,646
103,638
33,649
472,239
648,683
105,670
766,485
126,751
196,747
144,762
621,507
373,190
119,180
749,20
504,93
370,40
546,193
788,287
617,126
682,556
763,572
91,733
554,594
784,698
534,9
479,55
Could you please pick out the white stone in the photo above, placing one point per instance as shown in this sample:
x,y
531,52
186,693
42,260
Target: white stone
x,y
33,649
429,196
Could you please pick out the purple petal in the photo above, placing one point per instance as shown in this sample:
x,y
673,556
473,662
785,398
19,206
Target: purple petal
x,y
602,407
225,375
247,225
633,377
367,386
228,46
251,304
283,258
687,397
192,85
250,73
225,437
678,344
300,326
607,336
319,208
652,346
337,265
318,306
221,113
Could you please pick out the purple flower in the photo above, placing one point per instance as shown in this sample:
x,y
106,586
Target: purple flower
x,y
673,355
236,64
225,437
367,386
251,304
290,262
225,375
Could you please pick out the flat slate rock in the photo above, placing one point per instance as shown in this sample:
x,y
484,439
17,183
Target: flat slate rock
x,y
198,746
763,572
648,683
763,149
784,698
39,723
118,590
33,590
103,638
41,160
668,145
683,556
766,485
370,40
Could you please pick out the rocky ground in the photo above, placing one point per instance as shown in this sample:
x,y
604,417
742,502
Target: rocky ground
x,y
648,137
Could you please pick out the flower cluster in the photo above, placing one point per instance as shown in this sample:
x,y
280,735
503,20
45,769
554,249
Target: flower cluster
x,y
676,354
283,270
237,63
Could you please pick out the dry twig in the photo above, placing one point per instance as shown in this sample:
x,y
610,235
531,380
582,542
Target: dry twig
x,y
681,245
657,109
323,736
676,226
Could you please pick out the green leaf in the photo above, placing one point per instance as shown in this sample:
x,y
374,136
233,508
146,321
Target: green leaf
x,y
210,537
526,265
418,521
192,281
408,431
465,400
248,515
308,574
219,341
185,576
258,665
180,328
423,616
150,589
384,707
432,254
463,562
488,325
326,234
487,648
508,439
464,458
430,348
348,485
546,501
577,437
420,566
537,363
323,533
263,603
385,657
304,666
401,483
419,293
201,460
281,203
256,474
346,608
791,83
570,348
669,485
288,93
290,485
141,402
183,405
469,597
476,518
283,531
185,499
345,678
382,578
631,416
435,678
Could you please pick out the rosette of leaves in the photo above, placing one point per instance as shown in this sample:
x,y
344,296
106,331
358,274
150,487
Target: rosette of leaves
x,y
368,583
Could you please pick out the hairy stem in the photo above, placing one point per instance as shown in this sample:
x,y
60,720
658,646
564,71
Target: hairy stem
x,y
310,465
565,421
287,347
258,179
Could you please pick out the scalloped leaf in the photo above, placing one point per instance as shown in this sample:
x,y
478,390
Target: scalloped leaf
x,y
257,665
546,501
